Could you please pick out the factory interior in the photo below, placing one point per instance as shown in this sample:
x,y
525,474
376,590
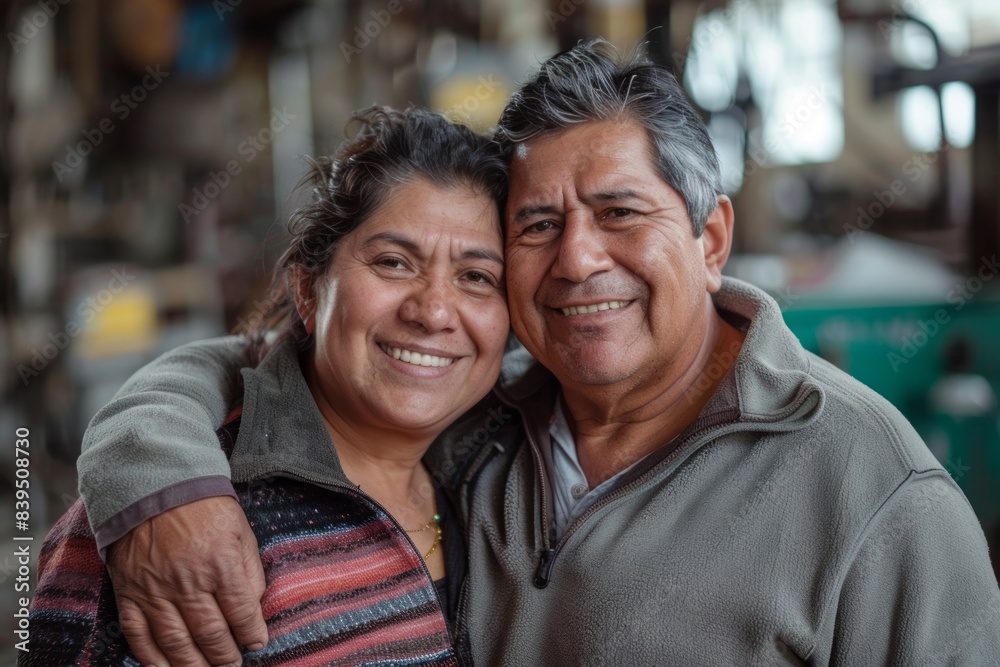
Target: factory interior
x,y
151,151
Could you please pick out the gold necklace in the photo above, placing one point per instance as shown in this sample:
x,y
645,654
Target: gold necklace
x,y
434,523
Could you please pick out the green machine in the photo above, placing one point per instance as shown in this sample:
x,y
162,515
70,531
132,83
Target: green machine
x,y
937,363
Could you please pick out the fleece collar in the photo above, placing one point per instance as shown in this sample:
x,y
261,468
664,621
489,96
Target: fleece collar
x,y
281,429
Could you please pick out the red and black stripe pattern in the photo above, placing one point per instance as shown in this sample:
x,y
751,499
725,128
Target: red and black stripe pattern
x,y
344,586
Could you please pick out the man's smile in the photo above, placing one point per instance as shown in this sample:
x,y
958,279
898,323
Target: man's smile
x,y
584,309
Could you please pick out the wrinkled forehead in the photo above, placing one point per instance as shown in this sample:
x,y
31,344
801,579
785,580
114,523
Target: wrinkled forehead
x,y
595,145
423,209
582,162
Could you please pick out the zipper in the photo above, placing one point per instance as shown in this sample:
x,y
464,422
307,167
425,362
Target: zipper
x,y
479,462
462,648
461,644
353,490
547,552
544,572
692,444
547,555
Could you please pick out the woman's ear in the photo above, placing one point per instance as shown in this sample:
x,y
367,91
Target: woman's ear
x,y
717,241
303,291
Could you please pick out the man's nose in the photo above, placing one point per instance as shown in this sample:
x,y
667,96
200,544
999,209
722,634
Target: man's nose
x,y
432,307
582,251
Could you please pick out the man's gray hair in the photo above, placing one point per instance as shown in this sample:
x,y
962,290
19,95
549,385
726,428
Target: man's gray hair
x,y
593,81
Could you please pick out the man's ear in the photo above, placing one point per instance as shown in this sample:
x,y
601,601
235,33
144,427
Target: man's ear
x,y
717,241
303,291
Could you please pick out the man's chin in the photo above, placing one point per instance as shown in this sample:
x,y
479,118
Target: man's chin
x,y
591,367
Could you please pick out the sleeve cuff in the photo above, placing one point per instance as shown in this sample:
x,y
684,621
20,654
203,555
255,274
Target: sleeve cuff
x,y
157,503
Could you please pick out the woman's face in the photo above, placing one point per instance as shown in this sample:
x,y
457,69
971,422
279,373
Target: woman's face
x,y
410,320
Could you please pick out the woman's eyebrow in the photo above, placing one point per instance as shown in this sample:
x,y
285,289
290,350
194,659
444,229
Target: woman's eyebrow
x,y
481,253
393,238
411,247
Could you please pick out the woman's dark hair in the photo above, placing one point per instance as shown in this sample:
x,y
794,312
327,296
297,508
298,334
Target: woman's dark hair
x,y
391,148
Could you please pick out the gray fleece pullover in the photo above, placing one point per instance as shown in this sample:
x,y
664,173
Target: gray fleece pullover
x,y
798,520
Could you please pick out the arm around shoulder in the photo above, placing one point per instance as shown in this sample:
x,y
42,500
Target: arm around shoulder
x,y
154,445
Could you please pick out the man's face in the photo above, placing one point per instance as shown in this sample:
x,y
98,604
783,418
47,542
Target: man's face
x,y
605,279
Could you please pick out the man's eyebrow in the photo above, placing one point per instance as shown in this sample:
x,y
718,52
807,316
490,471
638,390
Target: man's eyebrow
x,y
621,195
410,246
624,194
527,212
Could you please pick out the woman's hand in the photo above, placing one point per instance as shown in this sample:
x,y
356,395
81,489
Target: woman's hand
x,y
188,584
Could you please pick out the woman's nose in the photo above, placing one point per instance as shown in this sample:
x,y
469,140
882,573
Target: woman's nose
x,y
432,307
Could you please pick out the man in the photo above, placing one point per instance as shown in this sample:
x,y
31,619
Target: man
x,y
673,481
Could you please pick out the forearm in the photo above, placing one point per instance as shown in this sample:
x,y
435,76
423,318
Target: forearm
x,y
154,446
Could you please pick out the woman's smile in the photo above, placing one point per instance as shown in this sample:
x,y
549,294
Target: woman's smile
x,y
416,356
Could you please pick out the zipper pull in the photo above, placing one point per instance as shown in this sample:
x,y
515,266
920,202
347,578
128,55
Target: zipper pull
x,y
545,568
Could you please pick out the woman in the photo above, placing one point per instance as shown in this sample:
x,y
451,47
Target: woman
x,y
394,324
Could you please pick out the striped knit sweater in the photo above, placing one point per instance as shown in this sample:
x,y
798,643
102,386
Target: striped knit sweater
x,y
345,586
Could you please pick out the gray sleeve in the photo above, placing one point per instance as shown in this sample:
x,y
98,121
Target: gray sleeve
x,y
921,590
154,446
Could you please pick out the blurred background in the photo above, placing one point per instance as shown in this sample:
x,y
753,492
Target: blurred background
x,y
150,150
